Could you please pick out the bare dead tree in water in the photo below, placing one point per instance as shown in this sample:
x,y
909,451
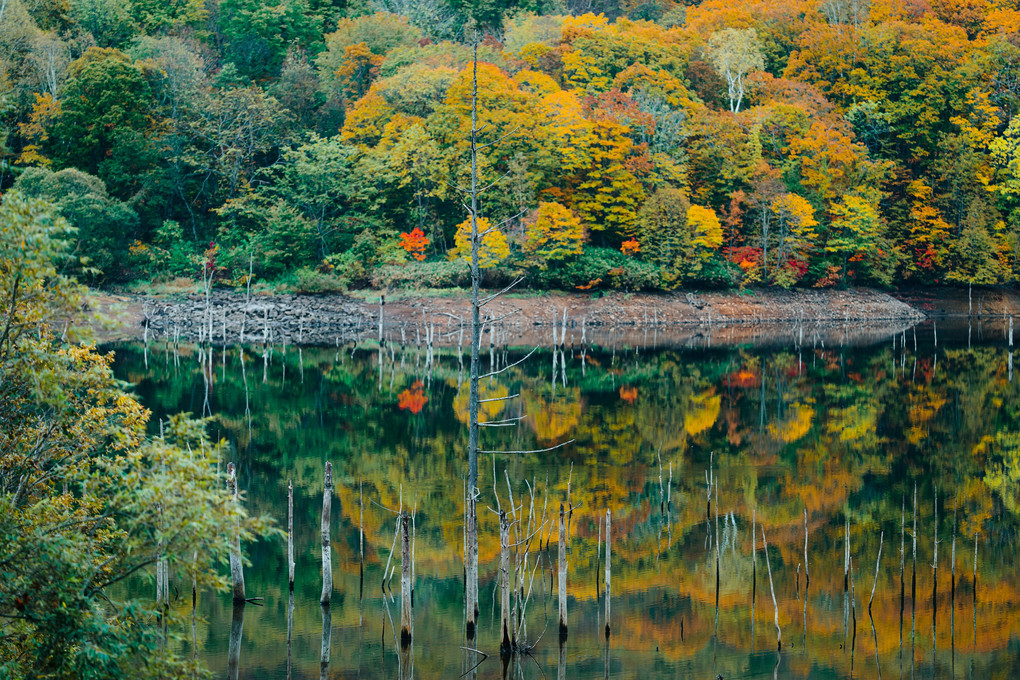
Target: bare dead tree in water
x,y
236,566
474,401
878,560
935,572
327,562
406,619
290,535
754,569
775,605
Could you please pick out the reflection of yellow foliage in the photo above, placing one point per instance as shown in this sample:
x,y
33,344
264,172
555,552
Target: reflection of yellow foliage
x,y
853,423
486,410
552,420
704,410
923,407
1003,475
796,424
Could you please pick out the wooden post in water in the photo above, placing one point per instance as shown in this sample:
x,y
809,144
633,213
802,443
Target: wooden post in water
x,y
952,584
608,572
903,562
935,571
952,596
807,575
290,535
775,605
563,574
505,624
236,567
717,556
327,560
853,611
846,579
754,572
881,539
974,592
406,620
361,539
913,579
471,564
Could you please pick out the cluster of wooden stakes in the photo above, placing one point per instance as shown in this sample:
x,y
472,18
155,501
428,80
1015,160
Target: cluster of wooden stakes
x,y
522,528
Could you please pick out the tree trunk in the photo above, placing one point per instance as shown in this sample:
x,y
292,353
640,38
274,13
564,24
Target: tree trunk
x,y
471,568
236,567
290,535
327,562
406,623
775,606
608,571
506,644
563,574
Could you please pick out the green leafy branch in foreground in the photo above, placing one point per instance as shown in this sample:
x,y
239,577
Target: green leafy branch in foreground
x,y
87,500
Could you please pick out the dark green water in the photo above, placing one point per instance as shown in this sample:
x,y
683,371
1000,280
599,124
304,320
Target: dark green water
x,y
844,433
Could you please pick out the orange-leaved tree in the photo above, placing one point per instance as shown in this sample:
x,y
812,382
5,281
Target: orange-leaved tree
x,y
414,243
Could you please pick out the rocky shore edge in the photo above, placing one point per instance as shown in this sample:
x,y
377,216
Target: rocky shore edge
x,y
232,317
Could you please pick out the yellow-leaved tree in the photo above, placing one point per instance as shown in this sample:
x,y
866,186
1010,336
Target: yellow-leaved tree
x,y
554,232
677,236
794,236
928,242
706,230
492,250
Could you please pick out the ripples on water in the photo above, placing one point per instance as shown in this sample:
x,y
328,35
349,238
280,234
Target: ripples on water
x,y
837,424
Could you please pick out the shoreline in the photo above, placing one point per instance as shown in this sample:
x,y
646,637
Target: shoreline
x,y
330,319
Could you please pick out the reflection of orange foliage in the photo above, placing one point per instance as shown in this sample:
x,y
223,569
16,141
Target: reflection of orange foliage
x,y
413,399
628,393
743,378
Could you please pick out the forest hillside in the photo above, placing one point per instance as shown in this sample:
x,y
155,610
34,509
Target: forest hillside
x,y
634,144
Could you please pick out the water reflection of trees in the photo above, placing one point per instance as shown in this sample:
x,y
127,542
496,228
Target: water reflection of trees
x,y
838,433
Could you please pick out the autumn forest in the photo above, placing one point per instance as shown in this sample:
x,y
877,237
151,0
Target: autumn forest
x,y
640,144
566,414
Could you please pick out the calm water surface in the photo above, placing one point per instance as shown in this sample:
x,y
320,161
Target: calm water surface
x,y
843,432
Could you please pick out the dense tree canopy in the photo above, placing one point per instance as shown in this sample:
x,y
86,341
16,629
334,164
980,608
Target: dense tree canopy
x,y
835,142
87,499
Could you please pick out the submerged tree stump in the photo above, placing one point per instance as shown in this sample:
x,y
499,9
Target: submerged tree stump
x,y
290,535
236,566
327,561
406,620
608,588
562,591
506,644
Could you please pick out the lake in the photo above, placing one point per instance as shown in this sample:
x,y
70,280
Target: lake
x,y
799,431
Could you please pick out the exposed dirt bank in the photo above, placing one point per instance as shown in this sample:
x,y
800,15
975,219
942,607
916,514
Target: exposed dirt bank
x,y
940,303
330,319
